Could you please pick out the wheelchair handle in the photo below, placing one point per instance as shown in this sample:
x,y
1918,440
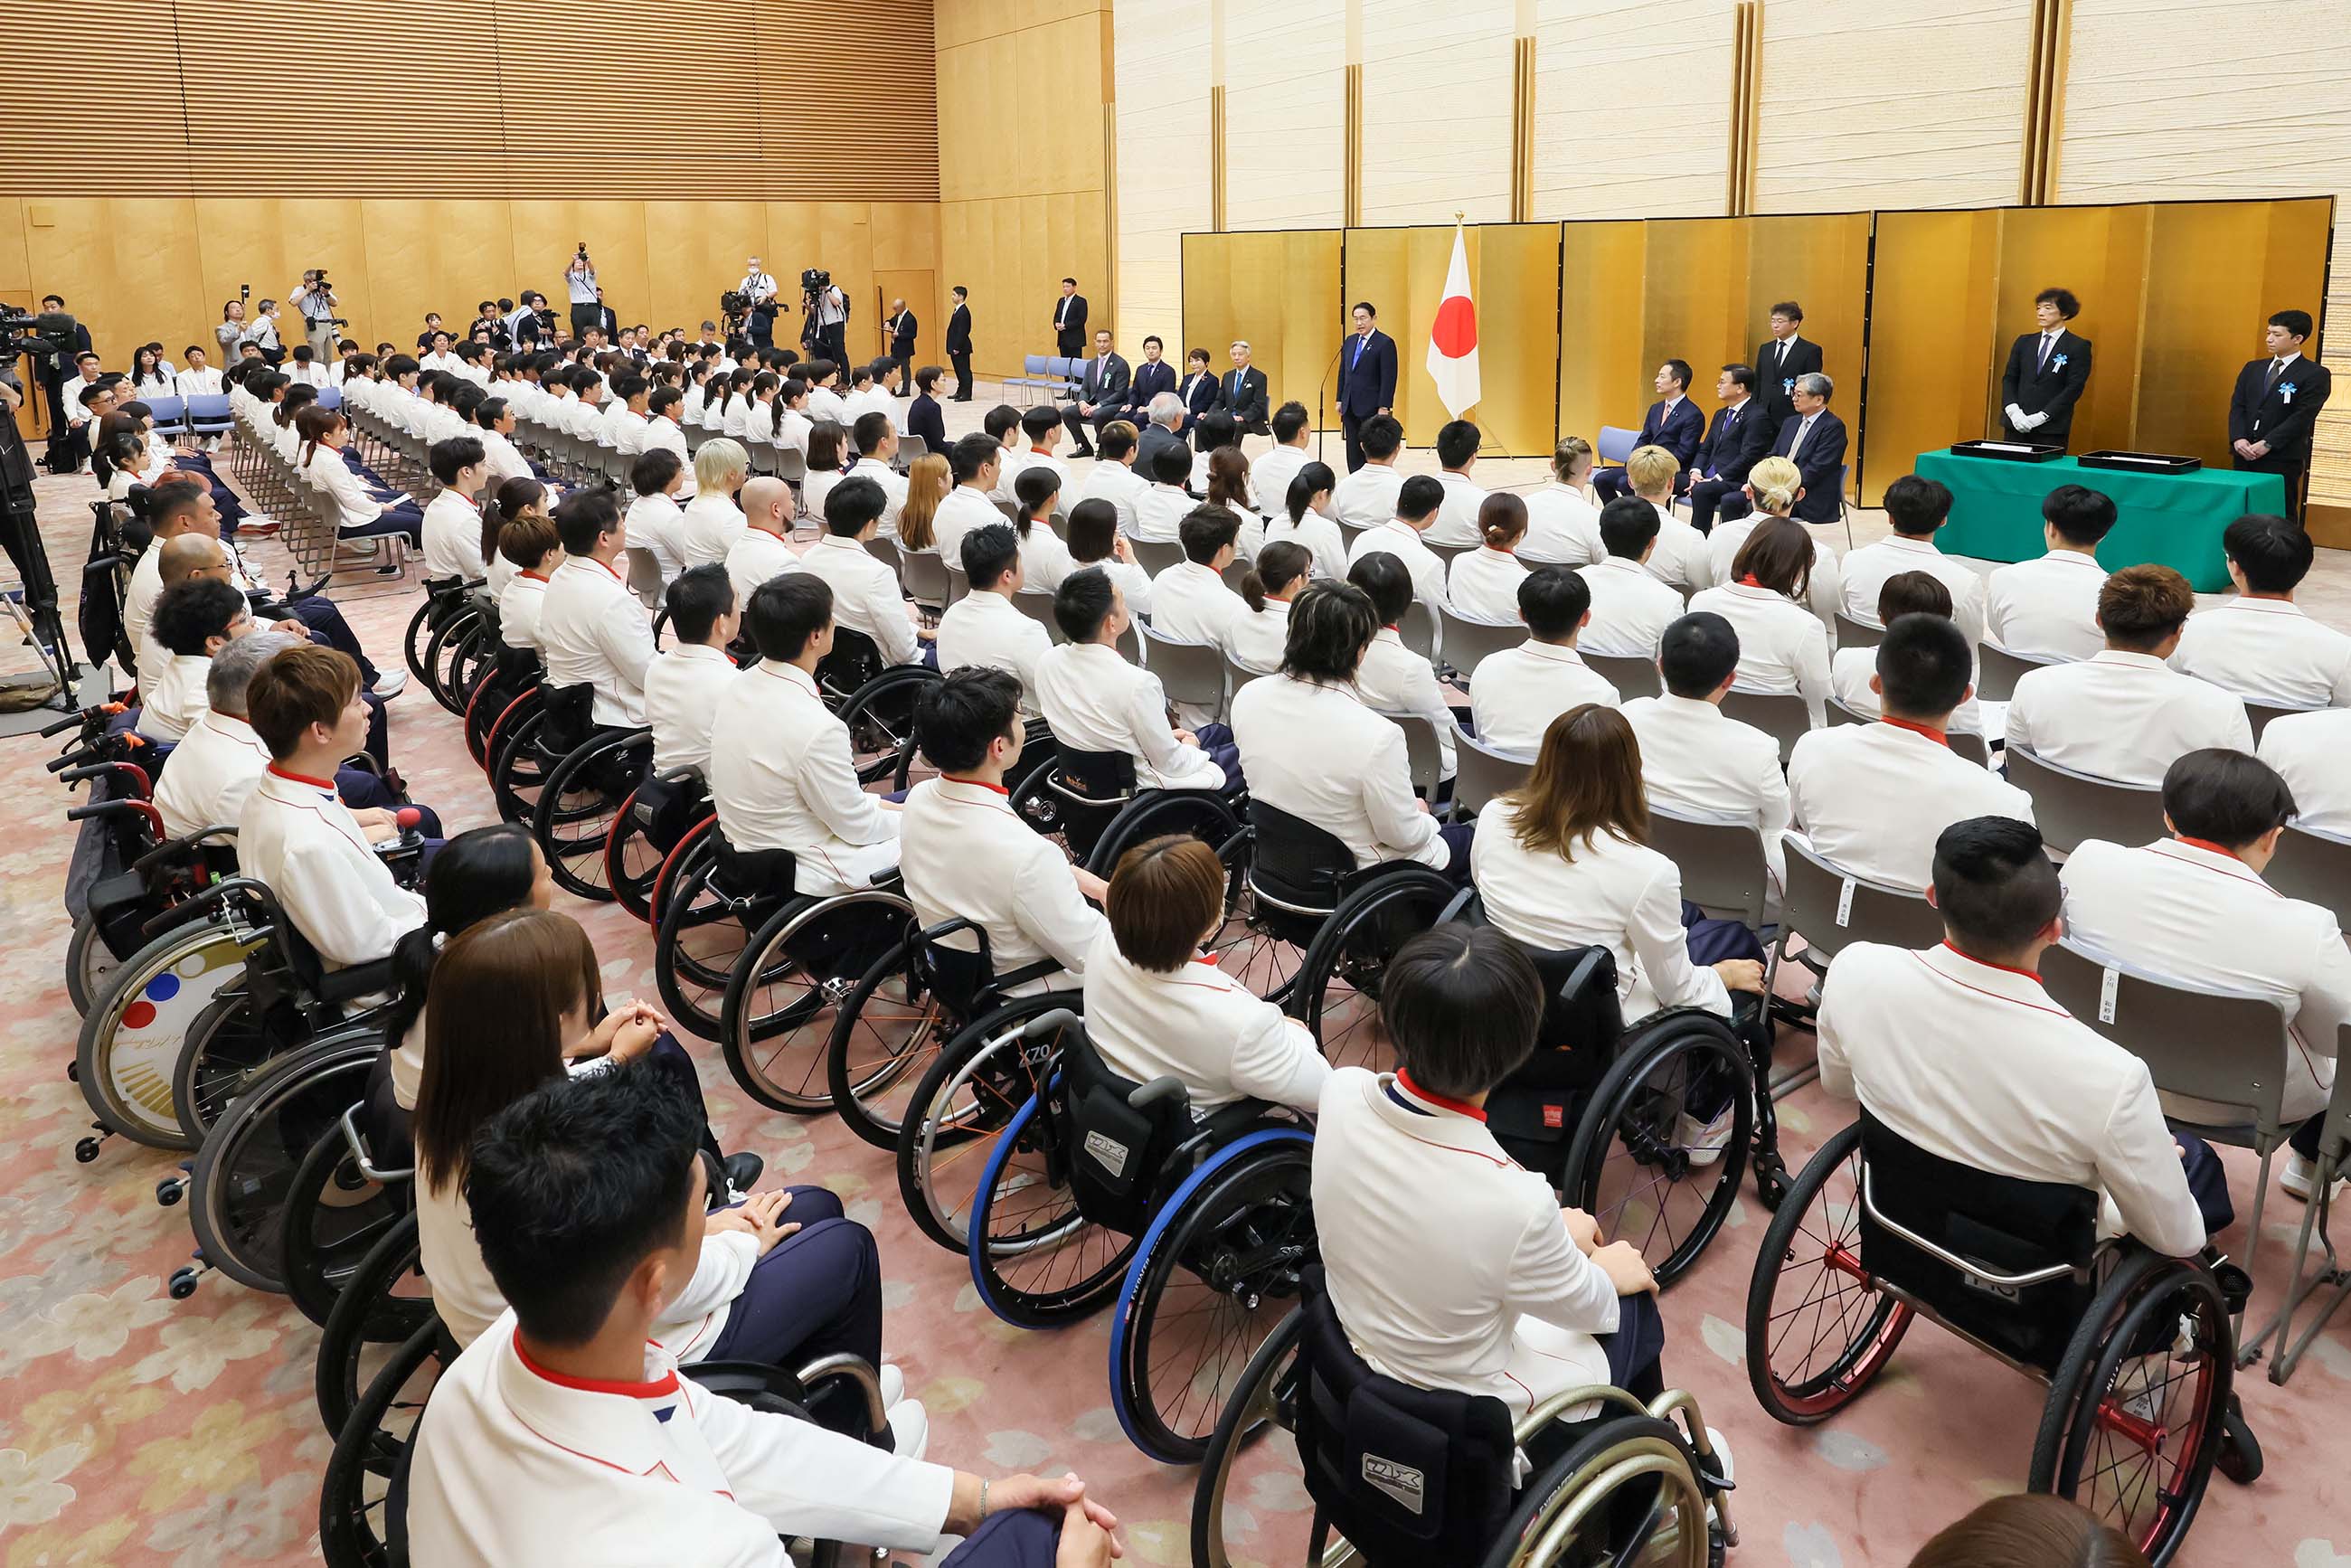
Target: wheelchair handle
x,y
87,771
103,809
1046,1023
1974,1271
359,1151
65,724
1163,1088
859,1371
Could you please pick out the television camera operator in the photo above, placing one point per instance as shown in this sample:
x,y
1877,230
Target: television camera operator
x,y
50,337
753,301
52,365
826,335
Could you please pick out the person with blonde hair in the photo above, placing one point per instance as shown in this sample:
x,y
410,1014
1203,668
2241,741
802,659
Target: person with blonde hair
x,y
928,484
1774,486
1680,557
709,525
1782,646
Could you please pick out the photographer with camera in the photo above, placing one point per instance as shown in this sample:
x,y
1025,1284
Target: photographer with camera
x,y
532,323
316,299
827,337
579,278
758,292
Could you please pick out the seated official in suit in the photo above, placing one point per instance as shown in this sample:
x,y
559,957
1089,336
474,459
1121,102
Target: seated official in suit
x,y
1368,378
1151,377
2124,714
2260,645
1457,454
1514,694
1394,679
2194,909
1102,395
1695,762
1367,497
1739,438
1814,439
2307,749
1673,423
1871,797
1162,432
1200,393
1853,671
2047,370
2047,608
1563,523
1483,584
1631,607
1916,507
1783,357
1957,1049
2275,406
1776,487
1094,700
1243,394
1782,646
1417,500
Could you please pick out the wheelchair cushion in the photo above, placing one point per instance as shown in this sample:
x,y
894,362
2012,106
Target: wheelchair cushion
x,y
566,725
752,873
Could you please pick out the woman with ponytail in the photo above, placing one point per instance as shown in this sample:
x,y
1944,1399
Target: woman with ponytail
x,y
1256,640
1775,485
1044,559
322,435
1782,646
1310,522
283,435
1483,584
500,507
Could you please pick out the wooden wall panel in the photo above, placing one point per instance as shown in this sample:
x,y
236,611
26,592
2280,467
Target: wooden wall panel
x,y
1285,115
1437,111
1162,49
1930,311
109,249
269,242
1632,108
694,252
432,256
543,235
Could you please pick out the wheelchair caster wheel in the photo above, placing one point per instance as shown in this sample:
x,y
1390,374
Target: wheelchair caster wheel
x,y
2240,1459
171,1190
182,1282
1771,1181
86,1151
73,1071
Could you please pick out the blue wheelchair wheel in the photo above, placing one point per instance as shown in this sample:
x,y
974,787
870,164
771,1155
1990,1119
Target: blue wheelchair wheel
x,y
1035,1260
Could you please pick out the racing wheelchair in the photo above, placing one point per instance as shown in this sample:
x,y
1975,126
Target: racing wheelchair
x,y
1403,1476
1198,1224
2136,1348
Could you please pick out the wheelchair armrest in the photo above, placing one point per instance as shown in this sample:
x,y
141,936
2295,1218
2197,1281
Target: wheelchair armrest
x,y
216,895
358,981
193,841
360,1152
1041,970
860,1374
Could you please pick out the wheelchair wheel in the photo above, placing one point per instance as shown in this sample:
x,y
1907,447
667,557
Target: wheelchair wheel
x,y
776,1020
703,934
371,1447
413,642
449,656
1627,1492
631,861
519,703
228,1045
985,1074
385,1300
1249,1505
1337,991
1630,1166
335,1214
680,856
1048,815
1818,1326
521,767
485,704
581,807
251,1167
880,719
2134,1421
1215,1270
131,1040
1037,1261
1201,814
1249,946
89,964
885,1035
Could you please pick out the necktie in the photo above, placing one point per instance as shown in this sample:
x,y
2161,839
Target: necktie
x,y
2277,369
2047,343
1783,353
1236,386
1356,358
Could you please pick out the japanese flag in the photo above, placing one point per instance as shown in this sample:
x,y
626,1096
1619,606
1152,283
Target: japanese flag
x,y
1453,337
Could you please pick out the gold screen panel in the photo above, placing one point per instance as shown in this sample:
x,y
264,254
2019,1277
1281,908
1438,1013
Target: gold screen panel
x,y
1278,290
1929,336
2099,252
1602,347
1514,278
1822,263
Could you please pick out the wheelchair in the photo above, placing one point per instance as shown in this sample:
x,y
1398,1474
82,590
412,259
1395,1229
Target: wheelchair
x,y
1403,1476
876,700
651,823
580,808
2136,1348
442,624
1197,1224
126,872
505,679
539,730
1090,800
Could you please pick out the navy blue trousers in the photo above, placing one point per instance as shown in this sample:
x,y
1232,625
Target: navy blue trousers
x,y
818,1293
1017,1538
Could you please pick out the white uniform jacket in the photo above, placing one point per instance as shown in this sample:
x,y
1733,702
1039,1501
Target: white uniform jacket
x,y
1698,764
657,523
784,780
213,771
592,629
2268,651
1483,584
757,555
348,495
2309,749
176,696
1116,482
452,538
519,603
2047,607
1401,539
1367,497
866,595
1866,570
1258,638
964,509
1319,537
301,841
1824,590
1457,516
1514,694
984,628
1872,799
1630,608
1202,1026
966,856
2125,716
1318,753
1094,700
682,690
1562,528
708,527
1782,647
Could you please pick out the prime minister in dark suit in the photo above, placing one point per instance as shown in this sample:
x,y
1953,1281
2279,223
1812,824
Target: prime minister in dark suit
x,y
1813,440
902,327
2275,404
1243,393
2046,373
1784,356
1739,438
959,345
1069,321
1102,396
1368,378
1674,423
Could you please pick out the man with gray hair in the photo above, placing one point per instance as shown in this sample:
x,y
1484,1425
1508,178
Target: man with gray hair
x,y
1244,392
1813,440
1166,429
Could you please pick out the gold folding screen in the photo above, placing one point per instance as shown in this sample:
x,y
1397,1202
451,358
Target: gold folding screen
x,y
1279,290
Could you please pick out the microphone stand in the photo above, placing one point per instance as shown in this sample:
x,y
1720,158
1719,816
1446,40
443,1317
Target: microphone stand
x,y
1321,396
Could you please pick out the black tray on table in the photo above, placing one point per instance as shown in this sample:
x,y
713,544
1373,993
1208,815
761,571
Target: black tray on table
x,y
2141,462
2008,451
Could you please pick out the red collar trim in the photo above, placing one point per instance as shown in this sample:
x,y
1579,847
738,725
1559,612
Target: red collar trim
x,y
2207,844
467,499
1458,1107
1040,452
607,565
1929,731
327,784
2003,968
534,575
1749,581
658,1388
1207,958
978,784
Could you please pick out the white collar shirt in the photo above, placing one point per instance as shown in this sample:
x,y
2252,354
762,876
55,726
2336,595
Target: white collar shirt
x,y
1698,764
1782,646
873,400
1872,799
1393,679
206,383
662,433
784,780
2268,651
657,523
792,429
1045,560
682,690
2308,750
987,628
1367,497
585,420
213,770
1201,1027
1457,515
176,698
1682,557
1320,537
894,489
2201,918
593,631
759,421
1514,694
1258,640
1159,513
1865,573
1562,528
1975,1063
1318,753
1401,540
1614,894
139,596
1271,474
624,429
1094,700
1849,674
355,507
1118,483
452,538
1631,608
298,838
2124,716
708,527
964,509
965,856
866,598
519,603
1497,1299
1825,589
824,404
814,489
755,557
1193,603
503,459
2046,608
1483,585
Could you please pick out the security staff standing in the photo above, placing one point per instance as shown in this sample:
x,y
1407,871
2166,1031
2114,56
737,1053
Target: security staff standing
x,y
902,327
959,343
2276,404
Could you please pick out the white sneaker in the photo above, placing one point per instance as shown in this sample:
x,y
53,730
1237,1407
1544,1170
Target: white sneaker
x,y
910,1428
391,682
2299,1175
1705,1141
893,1385
257,523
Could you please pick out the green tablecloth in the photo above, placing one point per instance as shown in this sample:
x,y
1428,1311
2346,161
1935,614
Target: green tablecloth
x,y
2174,521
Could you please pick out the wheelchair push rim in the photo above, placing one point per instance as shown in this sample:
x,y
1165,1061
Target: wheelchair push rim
x,y
704,934
579,812
783,995
334,1215
131,1041
1569,1512
355,1527
885,1035
631,863
1036,1259
1337,990
966,1097
386,1300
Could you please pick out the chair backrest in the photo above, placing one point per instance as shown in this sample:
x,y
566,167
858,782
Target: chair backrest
x,y
1418,629
1447,553
2315,866
910,449
790,465
1841,713
1038,605
1033,364
2260,714
1723,865
331,397
1424,756
1156,556
1294,863
1780,715
1237,675
1830,908
168,409
958,580
1631,677
1974,747
885,551
1997,670
1124,1134
1615,443
644,576
2229,1048
1469,641
2072,807
923,575
1852,633
1236,572
1484,772
1189,671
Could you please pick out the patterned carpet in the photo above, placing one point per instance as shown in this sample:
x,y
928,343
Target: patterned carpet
x,y
140,1430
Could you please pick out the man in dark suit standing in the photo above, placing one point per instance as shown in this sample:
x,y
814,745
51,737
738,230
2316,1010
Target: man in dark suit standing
x,y
1069,321
1244,392
1674,423
1200,390
1152,377
959,344
1741,435
2046,373
1368,378
1102,396
1781,358
1813,440
2275,404
902,327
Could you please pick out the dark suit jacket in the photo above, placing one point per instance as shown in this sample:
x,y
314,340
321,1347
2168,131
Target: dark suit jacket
x,y
1109,388
1150,380
1823,454
1202,395
2052,389
959,331
903,327
1243,395
1771,377
1070,329
1367,383
1679,432
1153,438
923,419
1728,453
2279,416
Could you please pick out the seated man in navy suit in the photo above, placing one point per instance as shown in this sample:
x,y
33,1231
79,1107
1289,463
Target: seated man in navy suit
x,y
1741,433
1152,377
1814,439
1674,423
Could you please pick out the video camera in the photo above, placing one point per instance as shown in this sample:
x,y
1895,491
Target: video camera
x,y
815,280
49,335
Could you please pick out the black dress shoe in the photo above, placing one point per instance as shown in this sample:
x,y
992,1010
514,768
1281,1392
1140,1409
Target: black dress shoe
x,y
743,1171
